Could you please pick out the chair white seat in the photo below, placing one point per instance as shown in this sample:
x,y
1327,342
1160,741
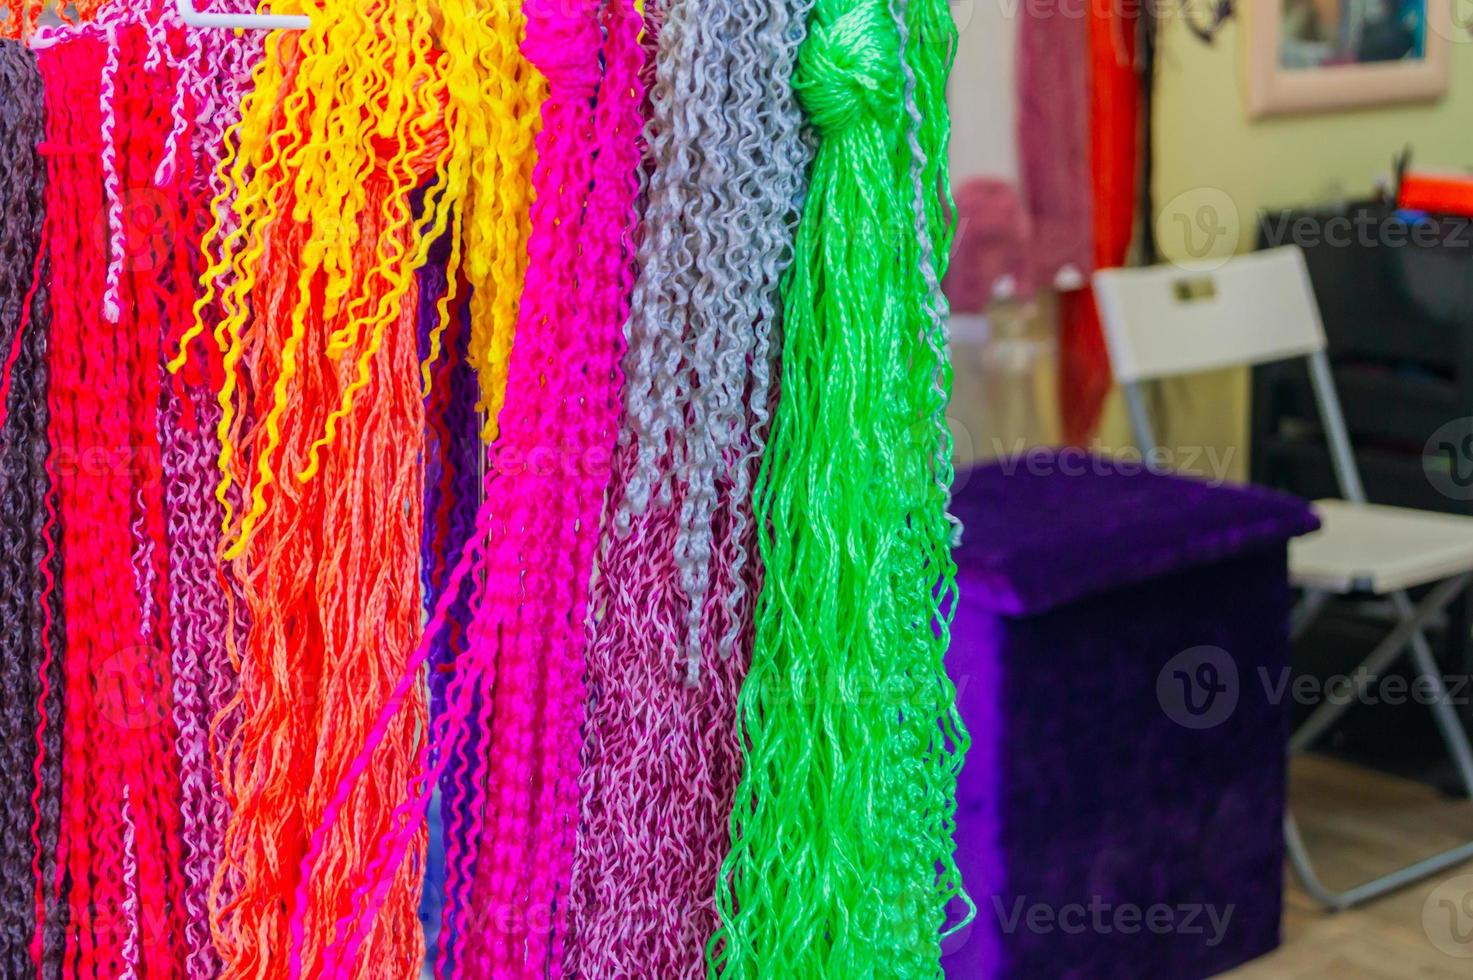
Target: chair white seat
x,y
1379,549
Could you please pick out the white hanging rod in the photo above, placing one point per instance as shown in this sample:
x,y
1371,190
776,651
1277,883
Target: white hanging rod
x,y
246,22
195,18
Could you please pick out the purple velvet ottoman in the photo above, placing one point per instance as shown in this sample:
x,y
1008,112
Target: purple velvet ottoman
x,y
1119,643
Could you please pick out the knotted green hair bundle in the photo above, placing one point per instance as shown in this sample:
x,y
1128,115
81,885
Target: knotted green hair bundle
x,y
842,853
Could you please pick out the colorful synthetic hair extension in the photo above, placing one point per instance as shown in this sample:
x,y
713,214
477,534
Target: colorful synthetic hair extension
x,y
204,679
320,416
167,95
699,325
518,685
470,81
151,186
103,401
673,598
549,475
212,71
300,171
842,860
158,176
331,583
493,113
30,637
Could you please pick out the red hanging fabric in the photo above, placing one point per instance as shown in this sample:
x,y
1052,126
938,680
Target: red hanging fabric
x,y
1114,146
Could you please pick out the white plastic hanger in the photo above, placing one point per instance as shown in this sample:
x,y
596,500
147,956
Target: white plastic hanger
x,y
195,18
246,22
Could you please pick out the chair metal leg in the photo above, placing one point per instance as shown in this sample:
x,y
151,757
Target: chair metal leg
x,y
1375,888
1386,653
1306,611
1406,636
1443,712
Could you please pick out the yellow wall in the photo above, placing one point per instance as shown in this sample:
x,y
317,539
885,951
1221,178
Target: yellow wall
x,y
1205,139
1210,155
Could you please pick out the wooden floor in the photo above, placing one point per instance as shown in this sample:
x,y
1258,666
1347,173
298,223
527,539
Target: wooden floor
x,y
1358,824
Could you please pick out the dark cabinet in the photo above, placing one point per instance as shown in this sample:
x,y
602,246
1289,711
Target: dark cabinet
x,y
1396,297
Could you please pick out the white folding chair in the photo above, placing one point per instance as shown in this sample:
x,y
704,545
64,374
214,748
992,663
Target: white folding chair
x,y
1166,321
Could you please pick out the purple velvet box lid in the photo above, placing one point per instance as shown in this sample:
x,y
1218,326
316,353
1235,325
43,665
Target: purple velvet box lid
x,y
1055,525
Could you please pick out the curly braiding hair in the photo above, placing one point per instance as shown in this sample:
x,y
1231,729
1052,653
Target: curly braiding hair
x,y
30,751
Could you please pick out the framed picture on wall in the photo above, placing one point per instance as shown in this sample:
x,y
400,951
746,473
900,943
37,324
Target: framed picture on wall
x,y
1313,55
